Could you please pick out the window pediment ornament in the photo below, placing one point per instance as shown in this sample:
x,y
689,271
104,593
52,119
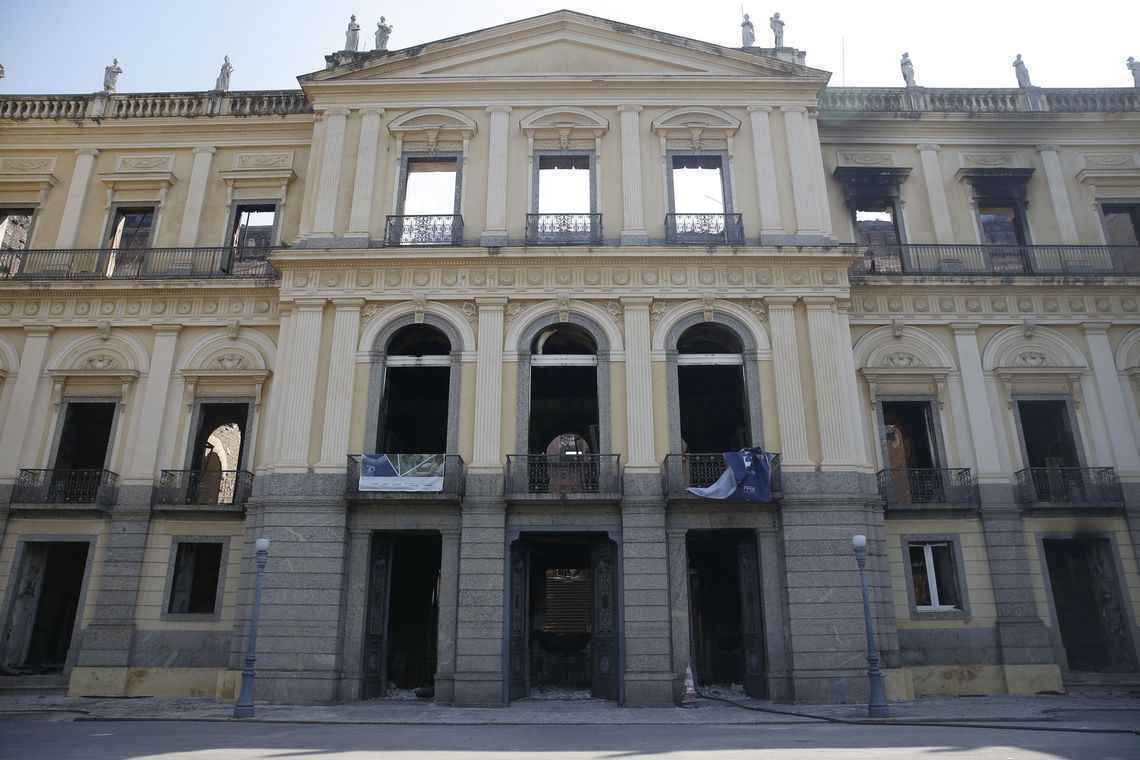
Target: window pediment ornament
x,y
695,125
564,123
430,124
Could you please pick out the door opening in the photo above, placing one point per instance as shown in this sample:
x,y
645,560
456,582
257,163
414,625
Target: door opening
x,y
37,638
413,416
724,611
713,400
218,454
911,453
81,455
402,620
1091,614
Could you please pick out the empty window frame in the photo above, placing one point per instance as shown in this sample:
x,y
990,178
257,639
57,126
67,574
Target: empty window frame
x,y
1048,433
254,225
1121,223
1002,222
195,579
430,186
876,222
564,183
131,227
698,184
16,228
934,576
711,389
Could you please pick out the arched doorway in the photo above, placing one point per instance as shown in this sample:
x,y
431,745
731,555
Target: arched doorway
x,y
415,405
711,390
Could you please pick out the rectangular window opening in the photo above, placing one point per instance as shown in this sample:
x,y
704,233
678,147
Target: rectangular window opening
x,y
564,185
254,226
197,567
1002,223
934,577
1046,428
698,185
131,228
875,223
1121,223
16,228
430,187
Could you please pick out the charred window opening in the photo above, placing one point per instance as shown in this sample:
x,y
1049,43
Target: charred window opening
x,y
417,380
255,225
711,389
218,453
1002,223
909,437
1047,431
131,228
16,228
194,586
876,223
564,392
86,436
1121,223
42,615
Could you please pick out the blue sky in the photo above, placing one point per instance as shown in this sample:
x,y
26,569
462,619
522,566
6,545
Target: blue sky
x,y
61,46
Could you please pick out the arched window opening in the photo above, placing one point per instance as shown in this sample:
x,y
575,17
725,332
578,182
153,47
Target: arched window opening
x,y
417,380
564,389
713,396
219,453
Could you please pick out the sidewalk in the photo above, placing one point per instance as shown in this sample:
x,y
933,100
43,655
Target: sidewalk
x,y
1066,713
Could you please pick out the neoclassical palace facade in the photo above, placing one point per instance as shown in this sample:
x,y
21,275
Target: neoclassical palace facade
x,y
560,265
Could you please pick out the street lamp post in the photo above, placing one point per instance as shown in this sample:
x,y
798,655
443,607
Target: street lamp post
x,y
244,706
877,695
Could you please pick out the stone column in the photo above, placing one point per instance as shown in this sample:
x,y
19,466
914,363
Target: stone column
x,y
678,556
495,230
819,173
849,384
829,370
364,185
983,434
196,197
76,195
771,225
22,400
328,187
355,610
140,473
489,385
633,207
300,381
1115,410
936,192
448,610
277,392
1062,207
805,188
639,384
338,395
789,390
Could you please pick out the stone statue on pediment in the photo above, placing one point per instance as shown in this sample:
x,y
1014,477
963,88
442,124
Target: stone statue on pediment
x,y
111,76
1022,72
747,32
383,32
223,82
352,35
1132,64
777,29
907,70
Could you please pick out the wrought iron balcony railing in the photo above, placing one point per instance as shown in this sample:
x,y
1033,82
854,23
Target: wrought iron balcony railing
x,y
424,229
544,476
685,471
704,229
1069,487
203,489
926,487
563,229
449,467
95,487
135,263
999,260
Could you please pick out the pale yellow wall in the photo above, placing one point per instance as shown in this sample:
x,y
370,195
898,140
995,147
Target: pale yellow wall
x,y
617,419
660,409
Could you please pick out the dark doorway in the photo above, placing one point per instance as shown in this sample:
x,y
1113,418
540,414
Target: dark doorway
x,y
86,436
1091,614
563,617
563,389
402,619
417,388
1047,430
724,610
217,455
38,636
713,402
911,453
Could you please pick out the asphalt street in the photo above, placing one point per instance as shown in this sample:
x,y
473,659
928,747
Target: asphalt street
x,y
57,738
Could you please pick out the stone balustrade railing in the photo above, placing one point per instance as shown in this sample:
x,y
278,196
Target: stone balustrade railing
x,y
915,100
154,105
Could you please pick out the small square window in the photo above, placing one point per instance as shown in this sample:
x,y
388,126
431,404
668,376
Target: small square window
x,y
934,577
197,567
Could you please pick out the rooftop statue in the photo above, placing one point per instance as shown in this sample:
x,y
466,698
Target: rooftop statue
x,y
747,32
111,76
907,70
777,29
1022,72
352,35
1132,64
223,82
383,31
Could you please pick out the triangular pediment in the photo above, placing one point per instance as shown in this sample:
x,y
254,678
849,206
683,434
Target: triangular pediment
x,y
561,44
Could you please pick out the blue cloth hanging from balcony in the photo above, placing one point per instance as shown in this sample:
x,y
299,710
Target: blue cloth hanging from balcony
x,y
747,477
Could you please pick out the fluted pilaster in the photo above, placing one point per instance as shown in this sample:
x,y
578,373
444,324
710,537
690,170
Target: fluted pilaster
x,y
338,397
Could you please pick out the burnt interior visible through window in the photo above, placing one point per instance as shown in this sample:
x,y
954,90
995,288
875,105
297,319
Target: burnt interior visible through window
x,y
713,400
254,225
85,436
417,378
413,611
1002,223
15,229
561,615
876,223
1121,223
131,228
42,614
194,585
1091,613
1046,429
564,184
911,453
934,576
564,391
218,452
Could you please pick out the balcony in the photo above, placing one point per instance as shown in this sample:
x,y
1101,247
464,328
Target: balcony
x,y
999,260
82,488
927,489
563,477
685,471
704,229
563,229
422,229
1059,488
202,491
136,264
448,467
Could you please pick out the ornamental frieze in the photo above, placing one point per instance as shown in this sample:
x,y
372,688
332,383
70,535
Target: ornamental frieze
x,y
874,305
141,310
